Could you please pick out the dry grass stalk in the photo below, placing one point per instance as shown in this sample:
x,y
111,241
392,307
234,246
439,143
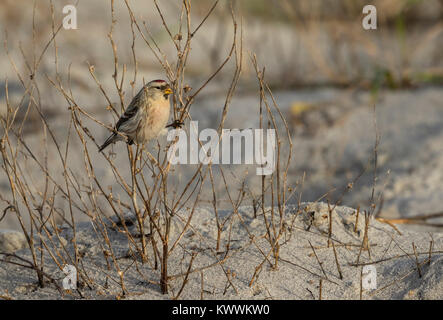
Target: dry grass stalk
x,y
416,260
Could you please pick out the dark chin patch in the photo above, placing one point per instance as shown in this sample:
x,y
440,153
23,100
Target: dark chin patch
x,y
166,96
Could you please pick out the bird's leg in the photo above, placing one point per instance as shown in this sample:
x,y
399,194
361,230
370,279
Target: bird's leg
x,y
176,124
129,141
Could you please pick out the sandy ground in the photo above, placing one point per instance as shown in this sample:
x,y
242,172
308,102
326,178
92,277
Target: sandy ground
x,y
300,271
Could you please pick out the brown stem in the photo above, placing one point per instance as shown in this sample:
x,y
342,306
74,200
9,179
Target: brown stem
x,y
164,269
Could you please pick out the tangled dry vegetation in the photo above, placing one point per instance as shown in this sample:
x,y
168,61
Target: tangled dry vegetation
x,y
150,195
150,210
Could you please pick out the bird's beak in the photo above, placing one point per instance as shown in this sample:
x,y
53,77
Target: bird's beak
x,y
167,91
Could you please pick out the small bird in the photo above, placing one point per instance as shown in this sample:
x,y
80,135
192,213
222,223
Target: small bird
x,y
145,117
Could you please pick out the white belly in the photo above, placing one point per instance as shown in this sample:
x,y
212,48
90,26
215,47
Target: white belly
x,y
156,120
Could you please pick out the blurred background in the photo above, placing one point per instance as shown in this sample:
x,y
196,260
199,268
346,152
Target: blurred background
x,y
327,73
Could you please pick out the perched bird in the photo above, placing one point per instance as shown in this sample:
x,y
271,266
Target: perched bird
x,y
145,117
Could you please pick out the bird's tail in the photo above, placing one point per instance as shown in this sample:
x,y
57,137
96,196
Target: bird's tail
x,y
112,138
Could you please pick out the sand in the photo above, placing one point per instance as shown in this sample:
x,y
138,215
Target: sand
x,y
300,271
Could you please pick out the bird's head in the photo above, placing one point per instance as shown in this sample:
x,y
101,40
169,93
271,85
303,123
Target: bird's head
x,y
158,88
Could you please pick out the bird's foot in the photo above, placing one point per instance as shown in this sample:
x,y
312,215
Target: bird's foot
x,y
176,124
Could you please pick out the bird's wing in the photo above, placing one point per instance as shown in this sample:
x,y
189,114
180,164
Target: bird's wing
x,y
130,112
128,115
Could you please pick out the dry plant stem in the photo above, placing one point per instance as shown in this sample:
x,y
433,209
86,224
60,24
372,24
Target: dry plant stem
x,y
390,258
318,260
390,224
374,178
330,224
139,216
214,204
361,283
365,241
185,280
310,292
336,261
431,243
164,261
201,286
229,282
418,220
258,270
416,260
